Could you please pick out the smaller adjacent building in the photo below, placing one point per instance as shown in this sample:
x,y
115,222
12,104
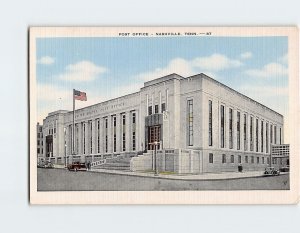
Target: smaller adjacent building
x,y
40,143
280,155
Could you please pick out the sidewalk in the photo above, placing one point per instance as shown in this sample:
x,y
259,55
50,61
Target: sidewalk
x,y
205,176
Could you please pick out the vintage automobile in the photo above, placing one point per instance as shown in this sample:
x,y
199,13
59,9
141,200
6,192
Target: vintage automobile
x,y
285,169
77,166
45,164
271,171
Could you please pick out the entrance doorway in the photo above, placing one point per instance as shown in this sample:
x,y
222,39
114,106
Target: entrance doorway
x,y
154,135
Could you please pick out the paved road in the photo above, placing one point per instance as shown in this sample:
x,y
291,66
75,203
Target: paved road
x,y
63,180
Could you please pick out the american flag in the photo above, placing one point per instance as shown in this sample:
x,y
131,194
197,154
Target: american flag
x,y
78,95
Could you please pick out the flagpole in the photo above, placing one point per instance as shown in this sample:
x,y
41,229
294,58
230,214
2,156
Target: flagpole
x,y
73,131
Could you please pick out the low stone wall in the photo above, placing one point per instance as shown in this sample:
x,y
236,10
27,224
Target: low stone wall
x,y
142,163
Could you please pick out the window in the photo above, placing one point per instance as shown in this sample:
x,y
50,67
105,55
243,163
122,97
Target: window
x,y
262,137
106,135
98,135
163,107
91,137
38,150
271,134
133,131
38,135
223,158
210,139
150,110
280,136
268,160
156,109
239,159
83,138
124,132
190,122
222,126
230,128
251,133
114,134
245,132
238,132
256,135
211,158
252,159
246,159
38,142
263,160
54,130
257,160
232,158
275,134
267,137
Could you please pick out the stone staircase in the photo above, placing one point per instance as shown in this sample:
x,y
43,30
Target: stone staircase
x,y
119,163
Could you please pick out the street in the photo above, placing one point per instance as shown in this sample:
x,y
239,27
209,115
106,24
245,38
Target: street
x,y
64,180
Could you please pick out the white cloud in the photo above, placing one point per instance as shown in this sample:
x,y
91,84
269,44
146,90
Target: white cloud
x,y
46,60
246,55
209,64
269,70
82,71
215,62
178,65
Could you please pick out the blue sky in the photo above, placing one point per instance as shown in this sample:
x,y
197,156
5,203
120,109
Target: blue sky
x,y
110,67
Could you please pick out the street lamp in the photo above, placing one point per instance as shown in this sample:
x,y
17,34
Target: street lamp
x,y
155,157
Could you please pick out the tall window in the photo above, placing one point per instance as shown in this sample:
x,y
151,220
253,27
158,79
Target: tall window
x,y
133,131
115,133
98,136
230,128
124,132
280,136
246,159
211,158
245,132
239,159
163,107
238,130
271,134
267,137
262,136
190,122
251,133
83,135
150,110
156,109
252,159
210,139
91,137
222,126
256,135
106,135
76,138
275,134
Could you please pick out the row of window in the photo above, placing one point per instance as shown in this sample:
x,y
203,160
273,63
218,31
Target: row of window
x,y
40,150
247,159
156,110
105,133
240,135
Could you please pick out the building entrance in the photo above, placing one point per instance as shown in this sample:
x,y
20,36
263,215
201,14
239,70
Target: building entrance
x,y
154,135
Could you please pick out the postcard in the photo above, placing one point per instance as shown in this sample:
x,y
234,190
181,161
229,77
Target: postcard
x,y
164,115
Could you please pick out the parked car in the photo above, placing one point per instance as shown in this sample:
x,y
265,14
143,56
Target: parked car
x,y
271,171
77,166
45,164
285,169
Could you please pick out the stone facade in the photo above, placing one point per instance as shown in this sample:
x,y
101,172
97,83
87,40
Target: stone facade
x,y
204,122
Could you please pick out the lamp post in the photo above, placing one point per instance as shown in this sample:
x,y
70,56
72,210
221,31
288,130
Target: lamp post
x,y
156,173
